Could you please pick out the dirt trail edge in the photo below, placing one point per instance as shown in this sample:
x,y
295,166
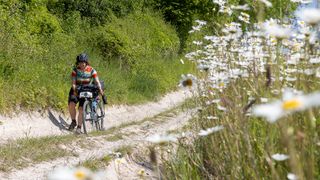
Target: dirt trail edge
x,y
53,123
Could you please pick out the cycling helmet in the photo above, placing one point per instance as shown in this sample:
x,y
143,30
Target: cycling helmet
x,y
82,58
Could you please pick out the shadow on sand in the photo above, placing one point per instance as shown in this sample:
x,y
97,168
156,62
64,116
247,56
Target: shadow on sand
x,y
59,122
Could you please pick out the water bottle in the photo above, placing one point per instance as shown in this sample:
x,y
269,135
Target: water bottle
x,y
94,105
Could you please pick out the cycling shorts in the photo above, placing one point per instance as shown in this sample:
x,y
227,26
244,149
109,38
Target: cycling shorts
x,y
75,99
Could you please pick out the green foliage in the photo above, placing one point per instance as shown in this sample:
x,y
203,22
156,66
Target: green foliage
x,y
39,44
138,36
97,11
183,14
280,9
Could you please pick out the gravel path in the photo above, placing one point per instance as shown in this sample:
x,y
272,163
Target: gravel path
x,y
53,123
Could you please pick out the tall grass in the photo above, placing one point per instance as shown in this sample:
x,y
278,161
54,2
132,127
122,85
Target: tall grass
x,y
240,71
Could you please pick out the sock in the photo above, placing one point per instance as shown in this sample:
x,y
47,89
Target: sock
x,y
79,127
73,120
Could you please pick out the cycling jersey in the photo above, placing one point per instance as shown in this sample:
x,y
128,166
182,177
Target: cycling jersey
x,y
84,77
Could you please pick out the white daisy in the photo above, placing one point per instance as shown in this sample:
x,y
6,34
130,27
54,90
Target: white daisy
x,y
201,22
267,3
292,176
318,72
221,108
157,138
210,130
291,79
244,7
280,157
212,117
198,43
302,1
290,103
62,173
308,72
273,29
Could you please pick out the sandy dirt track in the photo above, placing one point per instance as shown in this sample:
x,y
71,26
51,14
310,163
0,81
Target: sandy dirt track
x,y
37,125
53,123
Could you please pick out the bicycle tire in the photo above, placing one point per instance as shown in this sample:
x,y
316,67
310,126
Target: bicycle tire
x,y
97,124
101,115
86,120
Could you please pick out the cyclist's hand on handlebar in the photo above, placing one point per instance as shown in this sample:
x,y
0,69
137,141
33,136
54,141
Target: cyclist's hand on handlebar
x,y
75,92
101,92
104,98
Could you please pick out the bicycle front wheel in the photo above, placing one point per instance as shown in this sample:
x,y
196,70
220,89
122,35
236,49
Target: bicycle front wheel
x,y
87,121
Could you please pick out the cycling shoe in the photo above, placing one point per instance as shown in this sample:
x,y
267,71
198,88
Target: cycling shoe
x,y
72,125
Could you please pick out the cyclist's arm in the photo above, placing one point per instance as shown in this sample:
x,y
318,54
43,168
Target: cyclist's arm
x,y
99,85
97,82
74,81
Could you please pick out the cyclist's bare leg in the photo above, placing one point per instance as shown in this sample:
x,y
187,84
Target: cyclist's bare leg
x,y
80,116
72,110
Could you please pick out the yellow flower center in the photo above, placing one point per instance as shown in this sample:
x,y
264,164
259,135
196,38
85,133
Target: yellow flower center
x,y
141,172
80,175
291,104
273,40
221,84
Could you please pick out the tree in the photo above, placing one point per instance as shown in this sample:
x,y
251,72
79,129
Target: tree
x,y
182,13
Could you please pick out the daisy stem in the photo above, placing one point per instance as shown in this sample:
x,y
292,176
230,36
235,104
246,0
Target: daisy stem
x,y
279,64
294,159
311,140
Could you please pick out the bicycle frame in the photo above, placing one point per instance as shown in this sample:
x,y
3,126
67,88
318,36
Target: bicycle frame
x,y
91,107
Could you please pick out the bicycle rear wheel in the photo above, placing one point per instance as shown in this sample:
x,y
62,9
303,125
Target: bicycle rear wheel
x,y
87,121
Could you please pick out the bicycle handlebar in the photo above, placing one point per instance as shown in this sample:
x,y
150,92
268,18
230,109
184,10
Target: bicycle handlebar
x,y
92,88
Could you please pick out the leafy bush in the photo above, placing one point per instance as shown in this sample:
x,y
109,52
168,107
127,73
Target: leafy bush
x,y
98,12
39,46
138,36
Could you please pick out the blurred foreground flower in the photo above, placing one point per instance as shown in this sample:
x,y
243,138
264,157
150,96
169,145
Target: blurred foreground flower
x,y
309,15
302,1
280,157
210,130
157,138
273,29
188,81
290,103
141,172
119,161
244,7
67,173
291,176
267,3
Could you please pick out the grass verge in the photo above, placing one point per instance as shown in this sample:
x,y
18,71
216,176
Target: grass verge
x,y
100,163
23,152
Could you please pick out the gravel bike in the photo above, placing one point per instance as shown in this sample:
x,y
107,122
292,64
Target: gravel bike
x,y
93,108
